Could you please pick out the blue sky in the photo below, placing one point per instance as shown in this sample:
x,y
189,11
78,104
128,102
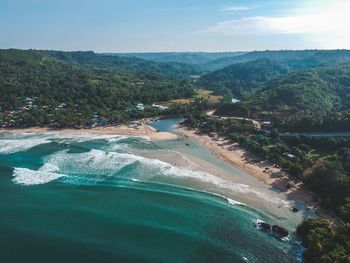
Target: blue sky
x,y
174,25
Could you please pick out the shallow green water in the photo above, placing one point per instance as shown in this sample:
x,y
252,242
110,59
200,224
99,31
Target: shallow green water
x,y
89,199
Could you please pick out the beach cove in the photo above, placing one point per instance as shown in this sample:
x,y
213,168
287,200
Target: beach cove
x,y
173,176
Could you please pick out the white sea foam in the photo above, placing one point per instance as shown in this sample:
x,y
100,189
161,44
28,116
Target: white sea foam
x,y
81,137
257,223
23,142
93,163
19,145
99,164
135,180
234,202
44,175
285,239
123,137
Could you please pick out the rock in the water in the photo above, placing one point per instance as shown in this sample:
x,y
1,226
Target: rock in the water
x,y
265,226
295,210
279,231
261,225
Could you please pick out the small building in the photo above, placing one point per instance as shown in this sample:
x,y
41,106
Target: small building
x,y
140,106
160,107
290,156
62,105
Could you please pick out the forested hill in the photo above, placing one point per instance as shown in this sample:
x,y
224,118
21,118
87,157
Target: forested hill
x,y
315,90
38,75
296,60
183,57
242,77
105,61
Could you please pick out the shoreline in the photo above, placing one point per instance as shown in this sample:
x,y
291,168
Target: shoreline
x,y
269,174
139,129
231,153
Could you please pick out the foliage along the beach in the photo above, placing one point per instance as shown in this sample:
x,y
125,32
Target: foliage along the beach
x,y
306,100
322,163
324,244
70,89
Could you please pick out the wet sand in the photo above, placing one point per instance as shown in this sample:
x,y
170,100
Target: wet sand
x,y
232,154
266,172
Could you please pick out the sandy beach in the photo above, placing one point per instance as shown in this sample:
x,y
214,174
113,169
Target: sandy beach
x,y
232,154
139,129
253,165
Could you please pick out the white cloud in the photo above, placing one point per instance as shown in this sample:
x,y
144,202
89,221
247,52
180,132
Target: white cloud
x,y
237,8
271,25
329,25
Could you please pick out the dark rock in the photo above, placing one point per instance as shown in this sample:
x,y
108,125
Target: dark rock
x,y
261,225
187,144
290,185
295,210
279,231
265,226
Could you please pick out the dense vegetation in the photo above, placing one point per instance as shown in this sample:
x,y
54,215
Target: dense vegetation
x,y
243,77
57,87
183,57
319,90
307,100
315,122
104,61
296,60
284,91
322,163
324,243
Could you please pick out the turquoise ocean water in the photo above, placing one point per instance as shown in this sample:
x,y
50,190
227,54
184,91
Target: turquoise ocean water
x,y
91,198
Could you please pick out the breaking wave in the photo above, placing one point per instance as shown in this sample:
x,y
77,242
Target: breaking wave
x,y
24,142
19,145
98,165
45,174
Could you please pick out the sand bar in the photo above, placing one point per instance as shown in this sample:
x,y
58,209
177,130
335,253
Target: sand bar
x,y
253,165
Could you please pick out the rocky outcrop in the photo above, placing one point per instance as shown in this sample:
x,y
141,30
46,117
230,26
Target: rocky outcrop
x,y
265,226
295,210
279,231
275,230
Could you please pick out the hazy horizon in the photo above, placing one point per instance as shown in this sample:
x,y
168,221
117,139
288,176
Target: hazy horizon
x,y
174,51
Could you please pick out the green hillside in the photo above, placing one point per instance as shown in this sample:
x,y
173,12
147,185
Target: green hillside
x,y
298,59
105,61
182,57
50,81
317,90
242,77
